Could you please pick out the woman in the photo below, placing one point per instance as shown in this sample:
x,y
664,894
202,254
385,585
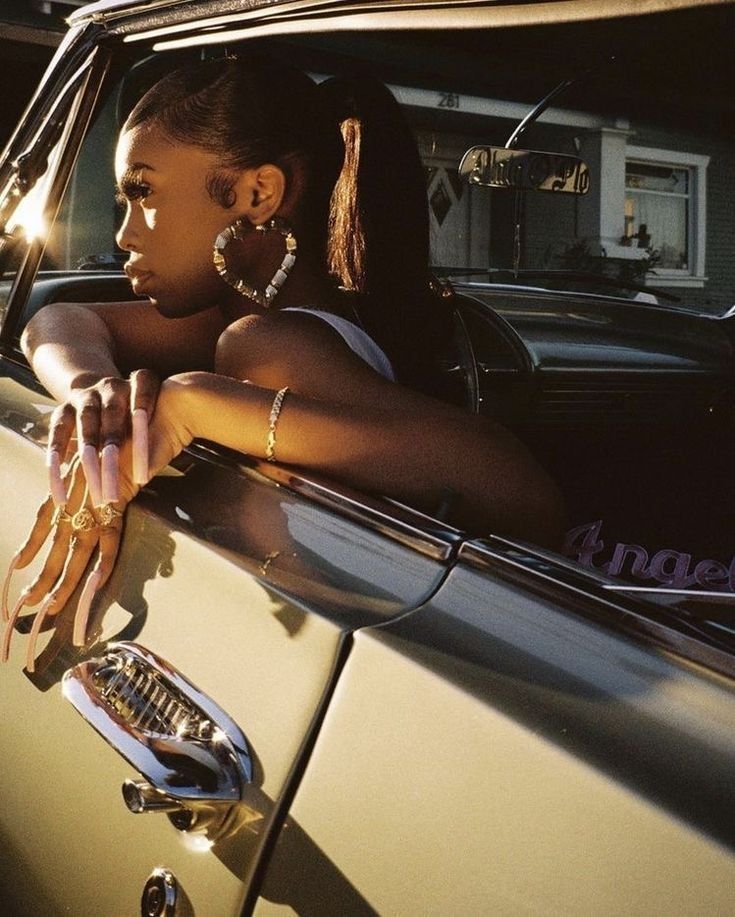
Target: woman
x,y
253,344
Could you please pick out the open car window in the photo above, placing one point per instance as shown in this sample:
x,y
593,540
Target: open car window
x,y
621,100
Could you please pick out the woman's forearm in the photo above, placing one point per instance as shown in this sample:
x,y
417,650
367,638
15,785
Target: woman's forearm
x,y
416,457
69,347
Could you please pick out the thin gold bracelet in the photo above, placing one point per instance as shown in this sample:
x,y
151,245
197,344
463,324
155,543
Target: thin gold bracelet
x,y
270,446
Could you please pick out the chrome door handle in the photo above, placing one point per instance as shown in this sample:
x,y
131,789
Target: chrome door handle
x,y
193,756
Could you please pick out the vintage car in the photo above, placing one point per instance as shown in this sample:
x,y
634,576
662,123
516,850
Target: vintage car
x,y
319,701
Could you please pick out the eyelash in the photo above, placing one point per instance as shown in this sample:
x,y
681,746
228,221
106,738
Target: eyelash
x,y
131,191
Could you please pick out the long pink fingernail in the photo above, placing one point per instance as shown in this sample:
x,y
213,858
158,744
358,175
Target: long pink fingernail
x,y
7,636
91,466
36,630
79,636
56,485
140,446
6,585
110,473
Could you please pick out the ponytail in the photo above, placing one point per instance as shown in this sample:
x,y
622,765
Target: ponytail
x,y
379,227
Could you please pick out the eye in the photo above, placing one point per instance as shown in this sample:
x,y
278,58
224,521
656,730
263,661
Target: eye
x,y
131,188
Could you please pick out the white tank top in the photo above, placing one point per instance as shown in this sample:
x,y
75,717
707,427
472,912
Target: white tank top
x,y
356,339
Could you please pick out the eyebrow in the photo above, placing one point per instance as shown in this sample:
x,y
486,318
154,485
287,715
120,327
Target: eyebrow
x,y
131,172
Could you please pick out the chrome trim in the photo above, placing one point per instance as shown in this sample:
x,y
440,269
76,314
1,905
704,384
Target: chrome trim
x,y
160,894
90,75
661,590
583,592
389,518
75,46
500,13
193,755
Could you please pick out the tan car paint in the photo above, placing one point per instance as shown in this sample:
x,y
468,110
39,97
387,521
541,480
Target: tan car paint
x,y
428,794
214,615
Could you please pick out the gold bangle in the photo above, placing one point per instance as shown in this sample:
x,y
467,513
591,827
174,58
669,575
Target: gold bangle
x,y
270,445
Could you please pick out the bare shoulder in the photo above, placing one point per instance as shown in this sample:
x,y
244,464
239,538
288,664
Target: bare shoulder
x,y
275,334
298,349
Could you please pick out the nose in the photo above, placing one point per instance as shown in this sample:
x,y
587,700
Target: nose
x,y
125,236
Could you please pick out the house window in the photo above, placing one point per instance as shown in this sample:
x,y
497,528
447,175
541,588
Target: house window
x,y
657,211
665,211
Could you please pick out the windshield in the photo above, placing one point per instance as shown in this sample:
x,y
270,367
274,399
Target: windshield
x,y
646,105
641,106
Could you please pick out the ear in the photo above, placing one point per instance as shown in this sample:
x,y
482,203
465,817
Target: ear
x,y
260,192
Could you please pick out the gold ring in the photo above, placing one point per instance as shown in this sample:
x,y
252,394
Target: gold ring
x,y
60,515
107,514
83,520
268,560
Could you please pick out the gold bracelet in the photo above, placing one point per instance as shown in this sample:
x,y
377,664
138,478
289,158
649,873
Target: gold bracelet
x,y
270,446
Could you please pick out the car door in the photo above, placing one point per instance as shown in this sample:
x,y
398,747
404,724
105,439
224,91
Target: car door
x,y
519,744
249,589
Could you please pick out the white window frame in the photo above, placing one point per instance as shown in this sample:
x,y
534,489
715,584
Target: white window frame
x,y
694,275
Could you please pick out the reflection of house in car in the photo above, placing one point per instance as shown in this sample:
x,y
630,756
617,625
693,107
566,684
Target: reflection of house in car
x,y
659,211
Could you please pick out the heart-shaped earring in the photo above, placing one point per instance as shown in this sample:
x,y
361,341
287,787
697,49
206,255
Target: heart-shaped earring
x,y
237,230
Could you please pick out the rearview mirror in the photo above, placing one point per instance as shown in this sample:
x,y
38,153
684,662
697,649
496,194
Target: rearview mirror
x,y
524,170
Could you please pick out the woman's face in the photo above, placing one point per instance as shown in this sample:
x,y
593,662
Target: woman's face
x,y
170,221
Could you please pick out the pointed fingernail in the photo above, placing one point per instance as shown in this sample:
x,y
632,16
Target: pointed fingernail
x,y
85,603
36,630
7,636
91,466
110,473
56,485
140,446
6,585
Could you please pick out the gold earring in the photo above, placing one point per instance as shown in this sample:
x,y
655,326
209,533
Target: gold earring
x,y
237,230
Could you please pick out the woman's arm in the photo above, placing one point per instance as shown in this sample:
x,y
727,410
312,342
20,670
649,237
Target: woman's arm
x,y
82,354
400,448
73,346
69,347
406,446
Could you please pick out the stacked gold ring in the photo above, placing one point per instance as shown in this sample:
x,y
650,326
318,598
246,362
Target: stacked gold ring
x,y
83,520
107,514
60,515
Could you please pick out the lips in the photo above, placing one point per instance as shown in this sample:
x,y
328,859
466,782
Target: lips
x,y
138,277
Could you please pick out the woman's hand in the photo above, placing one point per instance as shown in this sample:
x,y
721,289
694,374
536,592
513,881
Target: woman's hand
x,y
79,528
103,416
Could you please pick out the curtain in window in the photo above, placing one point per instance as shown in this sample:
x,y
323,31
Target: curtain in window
x,y
665,219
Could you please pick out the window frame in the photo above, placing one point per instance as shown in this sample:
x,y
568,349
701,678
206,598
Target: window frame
x,y
696,163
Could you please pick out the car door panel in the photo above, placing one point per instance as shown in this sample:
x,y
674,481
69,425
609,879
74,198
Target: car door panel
x,y
502,755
